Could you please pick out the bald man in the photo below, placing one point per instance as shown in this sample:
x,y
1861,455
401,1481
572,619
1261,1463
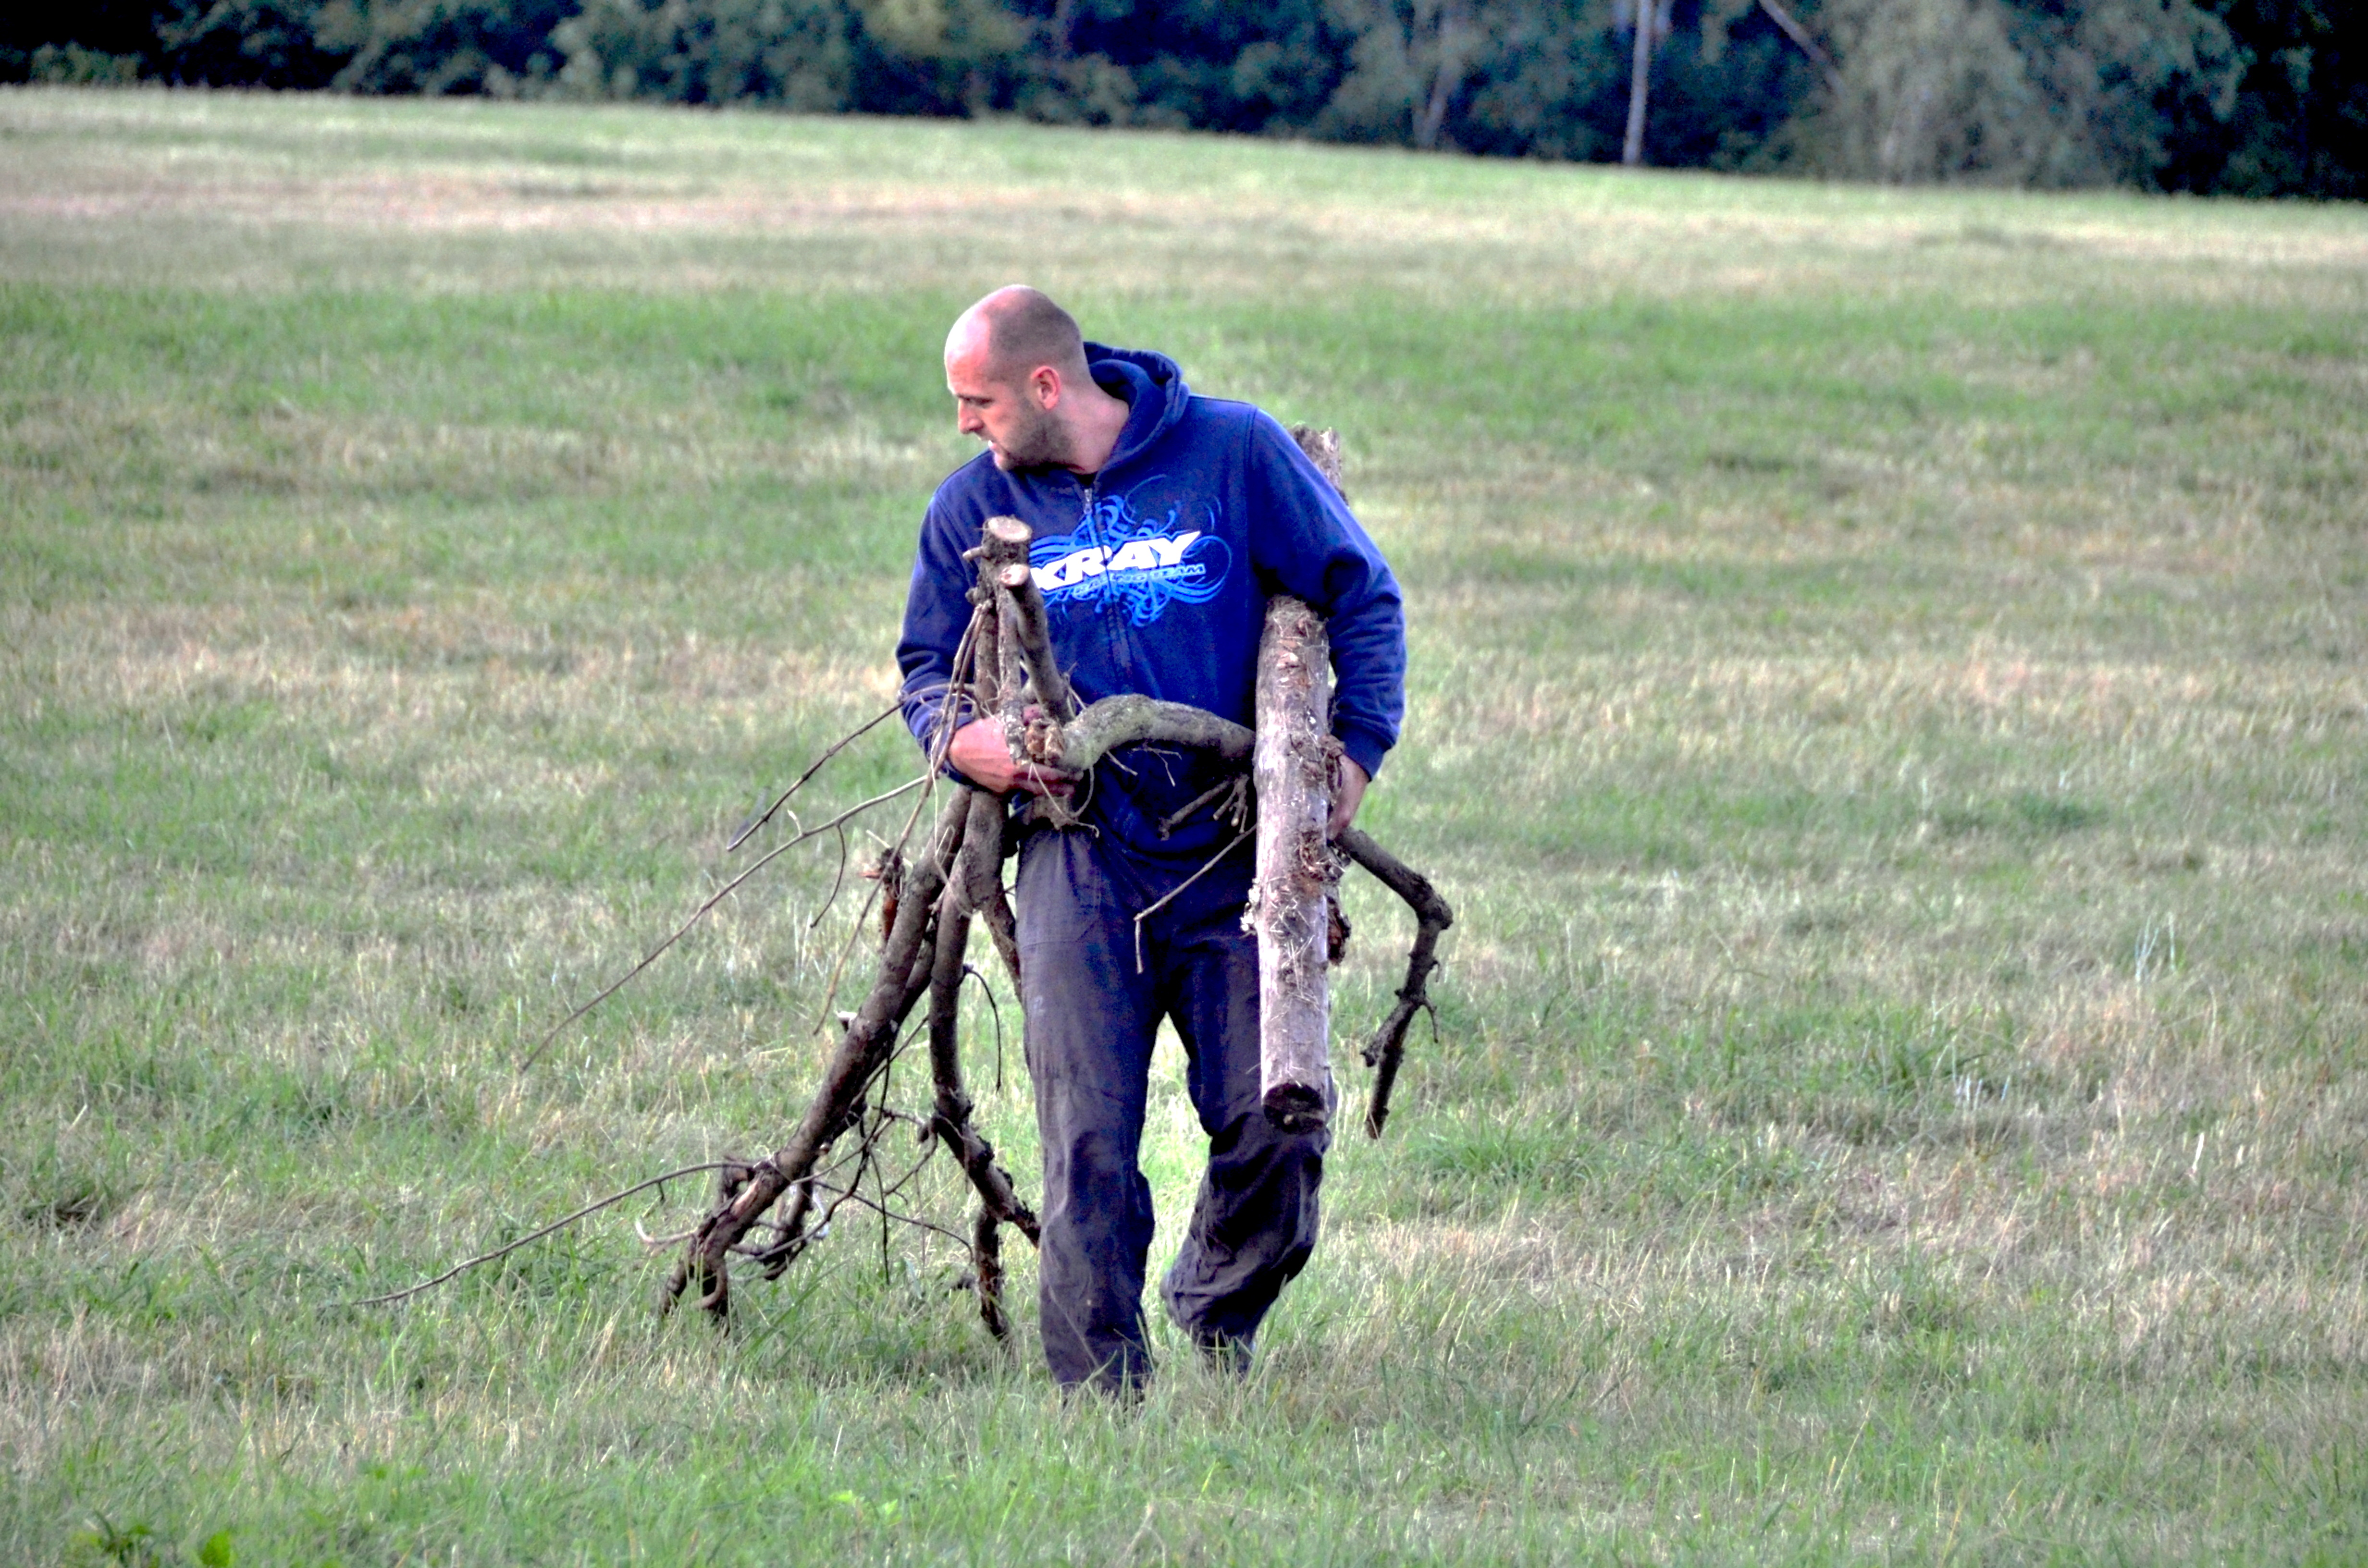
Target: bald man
x,y
1164,521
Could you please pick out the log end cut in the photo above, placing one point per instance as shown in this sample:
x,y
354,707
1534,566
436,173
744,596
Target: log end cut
x,y
1296,1108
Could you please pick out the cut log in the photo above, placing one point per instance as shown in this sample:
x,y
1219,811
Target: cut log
x,y
1296,869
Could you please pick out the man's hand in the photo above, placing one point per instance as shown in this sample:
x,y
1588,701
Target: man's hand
x,y
1346,798
980,754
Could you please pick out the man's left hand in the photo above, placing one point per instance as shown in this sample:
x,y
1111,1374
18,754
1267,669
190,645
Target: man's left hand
x,y
1346,798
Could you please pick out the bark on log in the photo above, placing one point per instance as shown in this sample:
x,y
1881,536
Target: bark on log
x,y
1115,721
1295,867
1003,541
1431,916
1323,450
995,683
1021,609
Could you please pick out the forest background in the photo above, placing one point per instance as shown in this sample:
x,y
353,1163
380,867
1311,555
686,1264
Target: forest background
x,y
2255,98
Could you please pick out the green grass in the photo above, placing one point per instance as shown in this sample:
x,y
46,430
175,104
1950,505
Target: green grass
x,y
1888,708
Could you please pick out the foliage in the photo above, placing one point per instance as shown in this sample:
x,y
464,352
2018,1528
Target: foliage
x,y
2256,96
2017,95
2300,120
797,54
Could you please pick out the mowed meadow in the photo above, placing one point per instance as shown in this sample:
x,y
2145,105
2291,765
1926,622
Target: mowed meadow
x,y
1889,673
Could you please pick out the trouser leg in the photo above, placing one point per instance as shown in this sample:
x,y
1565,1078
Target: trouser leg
x,y
1090,1025
1254,1223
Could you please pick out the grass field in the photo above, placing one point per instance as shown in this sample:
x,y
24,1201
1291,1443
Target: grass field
x,y
1888,705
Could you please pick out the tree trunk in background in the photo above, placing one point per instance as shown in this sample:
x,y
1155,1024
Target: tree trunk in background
x,y
1454,52
1640,82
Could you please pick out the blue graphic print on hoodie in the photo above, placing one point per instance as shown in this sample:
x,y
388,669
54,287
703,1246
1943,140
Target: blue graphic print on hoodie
x,y
1156,573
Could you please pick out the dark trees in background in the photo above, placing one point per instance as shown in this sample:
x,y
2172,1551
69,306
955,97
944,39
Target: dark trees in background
x,y
2298,123
2242,96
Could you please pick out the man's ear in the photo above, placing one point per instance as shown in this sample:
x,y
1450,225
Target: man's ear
x,y
1044,385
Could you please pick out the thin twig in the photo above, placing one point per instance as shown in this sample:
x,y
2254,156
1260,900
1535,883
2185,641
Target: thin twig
x,y
996,1012
610,1201
942,742
1233,784
1172,892
781,799
838,968
848,1196
699,913
837,880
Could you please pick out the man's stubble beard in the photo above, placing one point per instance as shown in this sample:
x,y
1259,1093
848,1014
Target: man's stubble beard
x,y
1036,442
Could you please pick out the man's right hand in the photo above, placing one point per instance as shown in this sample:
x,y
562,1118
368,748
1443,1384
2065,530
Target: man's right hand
x,y
980,754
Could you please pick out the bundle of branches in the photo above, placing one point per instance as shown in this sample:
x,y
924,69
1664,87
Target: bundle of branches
x,y
772,1210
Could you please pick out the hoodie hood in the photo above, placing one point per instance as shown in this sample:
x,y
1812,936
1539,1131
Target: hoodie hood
x,y
1153,388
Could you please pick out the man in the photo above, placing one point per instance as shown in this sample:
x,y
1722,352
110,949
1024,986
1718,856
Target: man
x,y
1163,521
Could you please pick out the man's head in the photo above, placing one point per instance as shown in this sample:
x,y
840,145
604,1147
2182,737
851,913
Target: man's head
x,y
1016,364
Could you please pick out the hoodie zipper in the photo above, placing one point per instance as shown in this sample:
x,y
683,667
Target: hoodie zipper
x,y
1115,631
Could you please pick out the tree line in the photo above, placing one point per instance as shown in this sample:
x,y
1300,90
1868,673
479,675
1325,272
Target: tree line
x,y
2257,98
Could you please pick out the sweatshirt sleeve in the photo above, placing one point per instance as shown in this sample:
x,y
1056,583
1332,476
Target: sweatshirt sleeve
x,y
937,611
1304,541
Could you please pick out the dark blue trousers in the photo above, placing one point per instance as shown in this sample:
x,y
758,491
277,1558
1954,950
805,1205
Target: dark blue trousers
x,y
1092,1018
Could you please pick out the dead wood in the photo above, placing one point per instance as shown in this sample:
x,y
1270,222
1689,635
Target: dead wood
x,y
1020,609
1432,917
726,891
741,834
1323,450
982,844
1004,541
1230,796
1125,720
1295,868
531,1236
994,692
986,1272
863,1049
1003,928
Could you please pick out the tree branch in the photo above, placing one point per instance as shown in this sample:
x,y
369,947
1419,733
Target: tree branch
x,y
1116,721
726,891
500,1252
1432,917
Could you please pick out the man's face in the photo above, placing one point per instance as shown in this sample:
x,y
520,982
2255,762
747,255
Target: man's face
x,y
1010,418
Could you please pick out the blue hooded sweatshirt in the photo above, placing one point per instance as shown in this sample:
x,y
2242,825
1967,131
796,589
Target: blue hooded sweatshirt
x,y
1156,573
